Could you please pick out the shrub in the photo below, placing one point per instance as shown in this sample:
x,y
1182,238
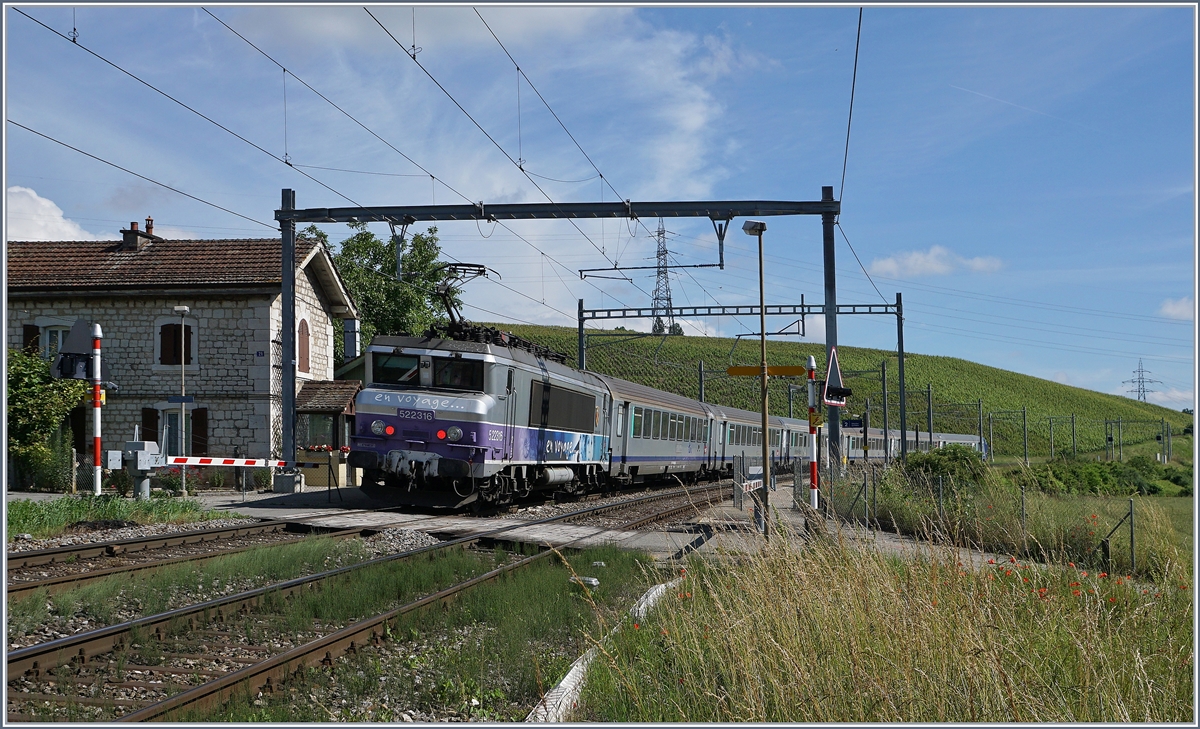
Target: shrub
x,y
216,479
121,482
262,478
955,463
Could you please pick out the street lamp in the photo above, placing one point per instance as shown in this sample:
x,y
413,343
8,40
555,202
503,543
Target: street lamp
x,y
757,227
182,311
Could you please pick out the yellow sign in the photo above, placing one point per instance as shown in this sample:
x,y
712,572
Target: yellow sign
x,y
814,418
773,371
103,397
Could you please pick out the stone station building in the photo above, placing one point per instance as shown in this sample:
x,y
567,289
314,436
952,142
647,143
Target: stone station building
x,y
232,359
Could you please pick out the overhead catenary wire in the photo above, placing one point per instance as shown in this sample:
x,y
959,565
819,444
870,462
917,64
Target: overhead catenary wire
x,y
433,178
203,116
485,133
604,180
850,116
141,176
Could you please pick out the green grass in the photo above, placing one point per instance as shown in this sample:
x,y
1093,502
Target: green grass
x,y
508,641
844,634
671,364
1058,528
155,591
52,517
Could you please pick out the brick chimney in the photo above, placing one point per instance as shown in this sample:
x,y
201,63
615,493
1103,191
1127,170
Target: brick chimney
x,y
134,239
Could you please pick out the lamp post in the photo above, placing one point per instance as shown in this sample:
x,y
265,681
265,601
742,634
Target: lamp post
x,y
756,228
182,311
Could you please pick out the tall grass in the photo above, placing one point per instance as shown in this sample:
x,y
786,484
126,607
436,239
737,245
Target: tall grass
x,y
51,517
1056,528
831,632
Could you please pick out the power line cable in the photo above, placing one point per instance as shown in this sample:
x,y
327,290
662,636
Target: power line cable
x,y
135,174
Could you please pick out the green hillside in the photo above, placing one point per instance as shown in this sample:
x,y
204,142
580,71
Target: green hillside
x,y
672,363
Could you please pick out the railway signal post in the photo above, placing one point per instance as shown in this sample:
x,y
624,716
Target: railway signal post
x,y
812,432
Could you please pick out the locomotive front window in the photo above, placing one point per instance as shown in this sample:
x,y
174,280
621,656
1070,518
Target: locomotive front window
x,y
458,374
395,369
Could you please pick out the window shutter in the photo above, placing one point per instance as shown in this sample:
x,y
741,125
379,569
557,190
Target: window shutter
x,y
302,340
150,426
187,345
30,338
200,432
167,346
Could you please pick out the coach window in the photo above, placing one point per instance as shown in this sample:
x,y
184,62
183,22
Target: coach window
x,y
655,424
672,422
637,423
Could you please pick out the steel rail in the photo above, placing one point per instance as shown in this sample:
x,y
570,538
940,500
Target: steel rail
x,y
82,646
54,585
90,550
266,674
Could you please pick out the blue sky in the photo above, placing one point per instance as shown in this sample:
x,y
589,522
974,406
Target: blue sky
x,y
1024,175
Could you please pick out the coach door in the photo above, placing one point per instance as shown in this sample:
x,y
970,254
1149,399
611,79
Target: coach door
x,y
621,433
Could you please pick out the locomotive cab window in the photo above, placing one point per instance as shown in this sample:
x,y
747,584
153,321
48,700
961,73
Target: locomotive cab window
x,y
395,369
458,374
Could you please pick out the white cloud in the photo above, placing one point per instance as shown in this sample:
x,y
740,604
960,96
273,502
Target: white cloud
x,y
1172,398
1177,308
33,217
1062,378
937,261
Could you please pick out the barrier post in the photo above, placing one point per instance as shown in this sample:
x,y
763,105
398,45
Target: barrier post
x,y
97,475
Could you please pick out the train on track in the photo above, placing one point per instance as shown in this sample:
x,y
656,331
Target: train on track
x,y
477,417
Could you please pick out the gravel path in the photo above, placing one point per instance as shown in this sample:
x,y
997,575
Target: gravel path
x,y
26,543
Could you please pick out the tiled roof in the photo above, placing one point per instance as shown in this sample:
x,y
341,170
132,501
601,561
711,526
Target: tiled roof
x,y
79,265
327,396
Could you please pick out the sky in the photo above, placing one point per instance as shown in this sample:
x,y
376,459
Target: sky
x,y
1025,176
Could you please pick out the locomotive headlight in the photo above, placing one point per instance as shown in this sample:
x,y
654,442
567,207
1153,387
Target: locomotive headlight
x,y
377,427
453,433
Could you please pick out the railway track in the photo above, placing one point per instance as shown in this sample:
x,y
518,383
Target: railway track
x,y
211,661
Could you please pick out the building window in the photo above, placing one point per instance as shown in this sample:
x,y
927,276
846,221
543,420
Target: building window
x,y
171,344
302,344
56,337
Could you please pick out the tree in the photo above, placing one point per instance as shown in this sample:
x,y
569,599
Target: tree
x,y
37,406
386,306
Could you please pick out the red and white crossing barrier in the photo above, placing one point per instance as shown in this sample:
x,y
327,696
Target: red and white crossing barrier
x,y
248,462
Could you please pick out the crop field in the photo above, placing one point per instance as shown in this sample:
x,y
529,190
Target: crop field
x,y
672,364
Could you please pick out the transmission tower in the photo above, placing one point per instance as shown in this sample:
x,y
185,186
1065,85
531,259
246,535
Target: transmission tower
x,y
1140,381
662,287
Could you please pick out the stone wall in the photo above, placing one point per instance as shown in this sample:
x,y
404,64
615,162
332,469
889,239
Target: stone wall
x,y
234,344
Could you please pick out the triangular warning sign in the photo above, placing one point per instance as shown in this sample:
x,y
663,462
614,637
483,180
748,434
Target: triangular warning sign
x,y
834,394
